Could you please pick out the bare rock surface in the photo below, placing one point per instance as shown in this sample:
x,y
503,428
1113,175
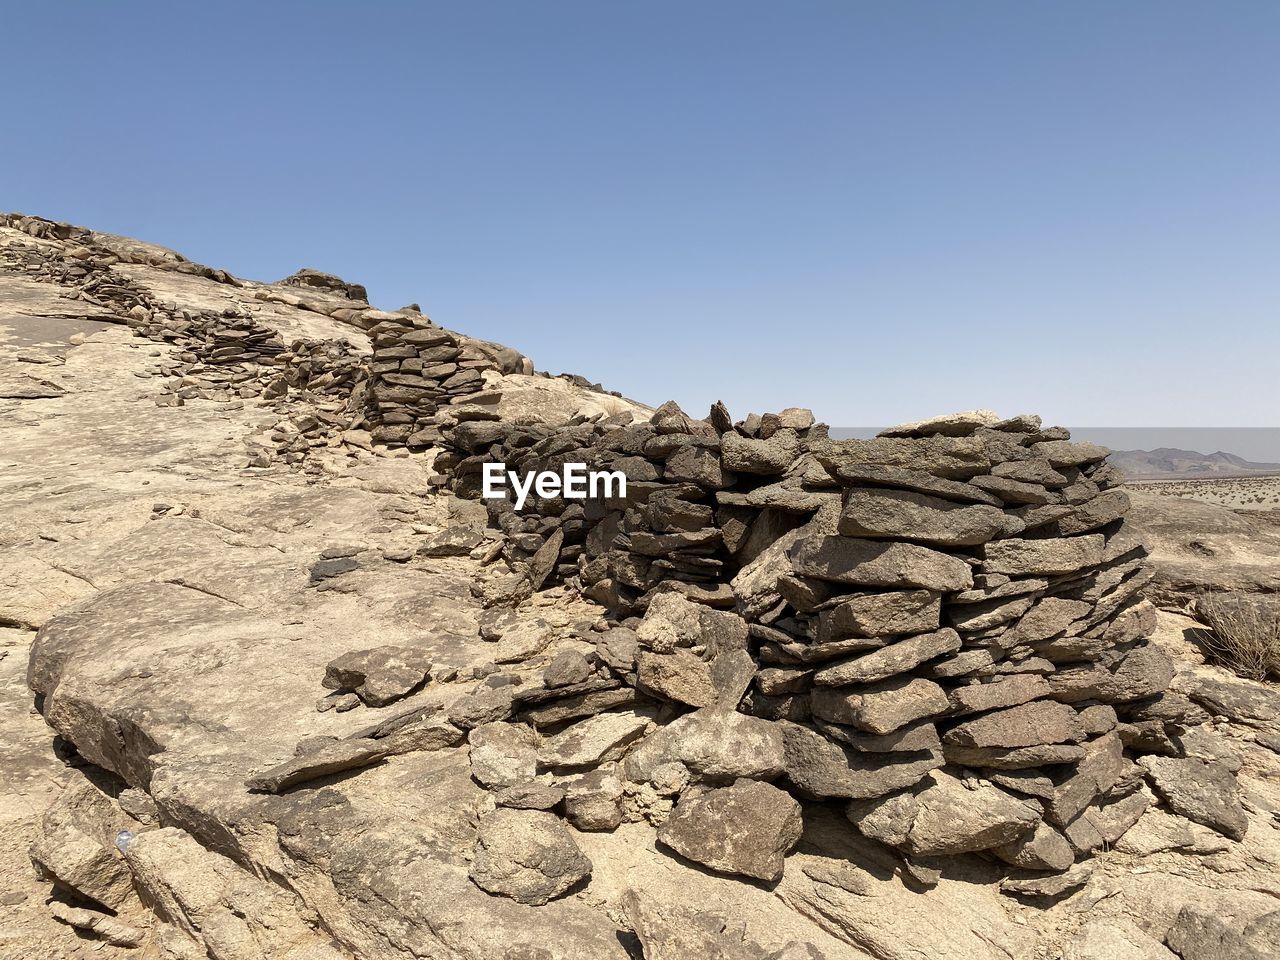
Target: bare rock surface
x,y
1202,547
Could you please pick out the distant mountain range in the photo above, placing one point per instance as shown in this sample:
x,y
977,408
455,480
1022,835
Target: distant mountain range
x,y
1165,458
1168,463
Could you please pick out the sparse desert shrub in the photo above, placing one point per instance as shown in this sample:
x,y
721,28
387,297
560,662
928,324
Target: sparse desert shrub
x,y
1242,633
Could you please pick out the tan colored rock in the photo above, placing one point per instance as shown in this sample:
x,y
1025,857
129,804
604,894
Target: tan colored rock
x,y
747,828
79,863
880,615
686,678
946,816
1043,848
1003,692
715,743
527,855
595,739
893,659
875,564
919,517
946,425
822,768
1199,791
503,754
1027,725
880,708
1029,558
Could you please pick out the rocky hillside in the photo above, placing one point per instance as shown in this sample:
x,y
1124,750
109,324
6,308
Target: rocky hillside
x,y
298,692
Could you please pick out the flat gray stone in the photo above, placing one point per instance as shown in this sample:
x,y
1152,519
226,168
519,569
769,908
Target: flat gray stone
x,y
890,660
379,676
1051,557
946,816
594,740
877,475
1200,791
873,563
1015,758
822,768
1204,936
1006,692
1026,725
906,515
715,744
961,424
882,707
880,615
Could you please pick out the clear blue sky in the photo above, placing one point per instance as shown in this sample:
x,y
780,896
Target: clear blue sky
x,y
880,210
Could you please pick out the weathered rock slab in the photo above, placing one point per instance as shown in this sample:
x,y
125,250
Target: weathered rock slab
x,y
744,829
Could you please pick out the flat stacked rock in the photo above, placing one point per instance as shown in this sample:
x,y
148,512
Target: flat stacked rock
x,y
418,368
942,627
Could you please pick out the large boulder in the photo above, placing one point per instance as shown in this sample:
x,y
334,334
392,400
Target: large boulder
x,y
527,855
744,829
905,515
946,816
821,768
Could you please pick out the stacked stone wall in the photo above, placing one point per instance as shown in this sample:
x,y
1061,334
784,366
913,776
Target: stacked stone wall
x,y
941,627
944,621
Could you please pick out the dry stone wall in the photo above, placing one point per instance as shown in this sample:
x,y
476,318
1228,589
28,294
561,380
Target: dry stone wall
x,y
941,629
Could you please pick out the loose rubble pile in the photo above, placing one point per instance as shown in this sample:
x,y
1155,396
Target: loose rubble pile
x,y
940,629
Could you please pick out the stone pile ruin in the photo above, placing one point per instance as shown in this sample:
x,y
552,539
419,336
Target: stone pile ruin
x,y
940,629
942,626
